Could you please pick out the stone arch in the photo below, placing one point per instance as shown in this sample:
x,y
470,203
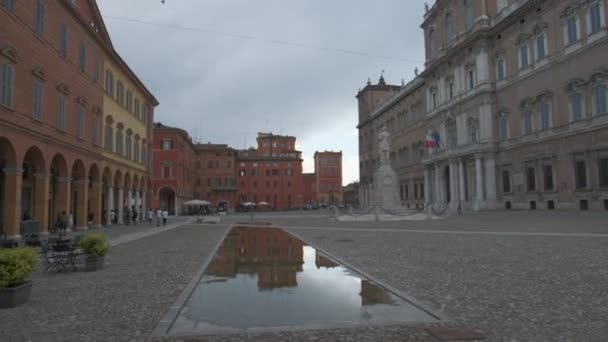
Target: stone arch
x,y
94,200
135,183
34,187
59,188
127,181
79,195
9,217
167,198
118,183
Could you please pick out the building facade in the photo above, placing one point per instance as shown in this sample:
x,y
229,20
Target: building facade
x,y
328,171
351,195
271,173
514,105
128,115
174,174
310,189
52,56
215,182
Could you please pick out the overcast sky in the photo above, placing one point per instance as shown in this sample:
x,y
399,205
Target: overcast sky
x,y
225,70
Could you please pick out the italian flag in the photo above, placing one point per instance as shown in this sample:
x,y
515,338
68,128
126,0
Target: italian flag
x,y
430,140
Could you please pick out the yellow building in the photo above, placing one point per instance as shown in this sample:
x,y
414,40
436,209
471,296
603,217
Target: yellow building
x,y
128,110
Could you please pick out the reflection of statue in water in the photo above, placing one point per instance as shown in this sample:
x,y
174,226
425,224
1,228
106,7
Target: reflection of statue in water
x,y
384,146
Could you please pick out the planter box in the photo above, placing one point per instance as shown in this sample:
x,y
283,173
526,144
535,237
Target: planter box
x,y
94,264
15,296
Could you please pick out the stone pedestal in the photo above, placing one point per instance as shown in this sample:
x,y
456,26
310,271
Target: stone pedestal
x,y
386,187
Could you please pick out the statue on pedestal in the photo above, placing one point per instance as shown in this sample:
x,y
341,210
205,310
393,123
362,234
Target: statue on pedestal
x,y
384,146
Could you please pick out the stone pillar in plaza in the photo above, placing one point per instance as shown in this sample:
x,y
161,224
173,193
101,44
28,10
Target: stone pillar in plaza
x,y
95,204
479,182
454,195
41,200
121,204
427,184
137,204
61,196
109,204
490,177
438,197
12,203
80,220
461,183
144,210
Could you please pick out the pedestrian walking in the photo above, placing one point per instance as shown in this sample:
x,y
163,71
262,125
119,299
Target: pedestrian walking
x,y
165,216
150,215
159,216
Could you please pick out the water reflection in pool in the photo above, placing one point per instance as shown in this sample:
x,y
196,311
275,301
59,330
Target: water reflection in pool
x,y
267,278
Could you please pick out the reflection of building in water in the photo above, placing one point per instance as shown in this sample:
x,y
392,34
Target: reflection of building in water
x,y
323,261
373,294
271,253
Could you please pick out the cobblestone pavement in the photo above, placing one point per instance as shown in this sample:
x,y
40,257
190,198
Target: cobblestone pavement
x,y
122,302
513,288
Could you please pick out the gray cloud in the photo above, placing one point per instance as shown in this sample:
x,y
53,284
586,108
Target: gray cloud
x,y
226,89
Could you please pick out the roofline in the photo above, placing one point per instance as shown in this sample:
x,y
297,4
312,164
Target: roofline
x,y
412,86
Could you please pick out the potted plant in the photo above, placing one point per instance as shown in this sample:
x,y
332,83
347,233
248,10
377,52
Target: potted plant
x,y
95,246
16,265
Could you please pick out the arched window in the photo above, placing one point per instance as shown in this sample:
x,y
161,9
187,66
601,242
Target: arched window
x,y
109,83
136,151
473,128
144,156
504,126
449,29
433,43
452,133
129,147
120,93
119,142
469,13
109,138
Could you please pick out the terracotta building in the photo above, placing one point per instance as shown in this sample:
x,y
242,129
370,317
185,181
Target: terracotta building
x,y
328,171
310,188
52,57
272,173
174,174
513,101
215,166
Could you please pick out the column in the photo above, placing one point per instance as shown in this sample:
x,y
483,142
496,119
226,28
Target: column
x,y
12,203
61,196
95,204
144,210
486,118
121,205
437,184
478,181
109,204
137,203
41,200
490,176
80,220
461,183
427,184
454,193
483,66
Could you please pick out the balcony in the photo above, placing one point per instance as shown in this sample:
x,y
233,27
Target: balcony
x,y
459,151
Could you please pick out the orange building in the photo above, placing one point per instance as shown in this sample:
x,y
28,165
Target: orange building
x,y
272,173
52,67
216,175
273,254
328,170
173,169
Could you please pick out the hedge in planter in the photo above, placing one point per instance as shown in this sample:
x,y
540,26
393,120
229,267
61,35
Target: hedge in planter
x,y
95,246
16,265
